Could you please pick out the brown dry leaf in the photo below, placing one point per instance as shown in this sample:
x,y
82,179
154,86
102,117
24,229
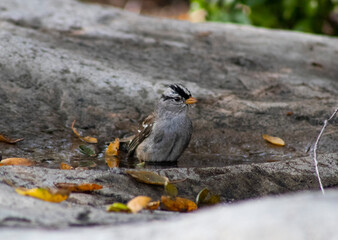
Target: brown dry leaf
x,y
112,161
50,195
113,148
274,140
148,177
82,187
86,139
178,204
153,205
138,203
7,140
65,166
17,161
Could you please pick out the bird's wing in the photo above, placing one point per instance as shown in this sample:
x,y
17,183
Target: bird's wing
x,y
143,133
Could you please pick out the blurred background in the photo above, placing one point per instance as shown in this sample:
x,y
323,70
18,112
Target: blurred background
x,y
312,16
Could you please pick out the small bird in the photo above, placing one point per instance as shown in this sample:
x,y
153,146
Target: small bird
x,y
166,133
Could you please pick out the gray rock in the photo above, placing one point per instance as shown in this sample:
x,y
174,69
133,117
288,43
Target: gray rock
x,y
302,216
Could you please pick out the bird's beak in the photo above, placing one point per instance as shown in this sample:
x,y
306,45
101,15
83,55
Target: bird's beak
x,y
191,100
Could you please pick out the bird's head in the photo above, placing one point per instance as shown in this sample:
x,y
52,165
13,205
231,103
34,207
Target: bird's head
x,y
176,98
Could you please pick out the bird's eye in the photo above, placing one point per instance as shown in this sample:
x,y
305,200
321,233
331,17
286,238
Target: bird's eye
x,y
177,99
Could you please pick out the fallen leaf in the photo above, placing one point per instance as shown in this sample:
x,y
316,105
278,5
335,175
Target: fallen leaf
x,y
138,203
86,139
7,140
113,148
153,205
316,64
17,161
111,154
148,177
274,140
214,199
82,187
87,151
140,165
112,161
202,195
65,166
50,195
178,204
205,197
170,189
118,207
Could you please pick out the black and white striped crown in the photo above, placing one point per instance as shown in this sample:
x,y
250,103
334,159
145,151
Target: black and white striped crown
x,y
181,90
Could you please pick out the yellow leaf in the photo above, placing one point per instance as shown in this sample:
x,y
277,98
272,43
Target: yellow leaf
x,y
170,189
89,139
86,139
274,140
7,140
65,166
74,187
118,207
178,204
148,177
17,161
113,148
205,197
50,195
138,203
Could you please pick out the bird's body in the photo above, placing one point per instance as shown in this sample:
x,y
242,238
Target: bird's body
x,y
166,133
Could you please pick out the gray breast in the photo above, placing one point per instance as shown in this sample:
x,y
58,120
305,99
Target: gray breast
x,y
167,141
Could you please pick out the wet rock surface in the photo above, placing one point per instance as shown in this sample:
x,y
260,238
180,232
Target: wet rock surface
x,y
65,60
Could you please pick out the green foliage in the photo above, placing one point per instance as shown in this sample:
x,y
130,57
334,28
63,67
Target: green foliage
x,y
301,15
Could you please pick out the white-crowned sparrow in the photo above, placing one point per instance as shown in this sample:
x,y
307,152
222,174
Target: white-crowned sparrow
x,y
166,133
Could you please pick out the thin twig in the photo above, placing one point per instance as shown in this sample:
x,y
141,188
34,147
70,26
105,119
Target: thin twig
x,y
315,149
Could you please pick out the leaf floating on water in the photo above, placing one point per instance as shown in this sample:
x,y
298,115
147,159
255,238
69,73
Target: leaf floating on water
x,y
274,140
112,161
17,161
87,151
138,203
111,154
153,205
65,166
118,207
83,187
148,177
50,195
8,140
205,197
86,139
170,190
113,148
178,204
